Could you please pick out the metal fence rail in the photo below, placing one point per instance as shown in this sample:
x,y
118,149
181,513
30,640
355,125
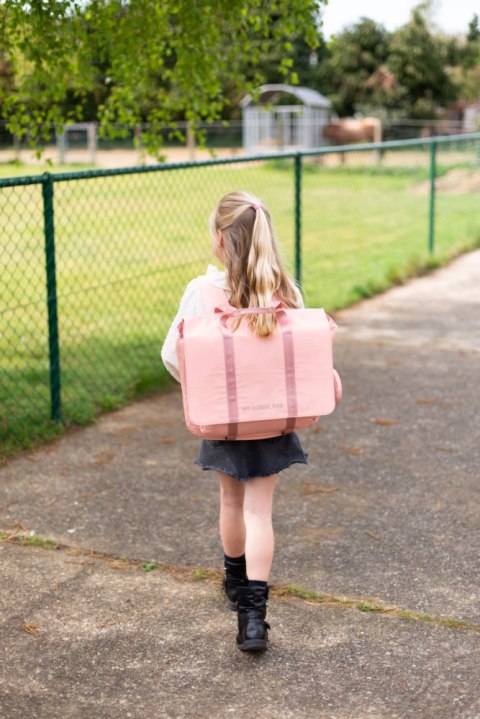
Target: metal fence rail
x,y
93,263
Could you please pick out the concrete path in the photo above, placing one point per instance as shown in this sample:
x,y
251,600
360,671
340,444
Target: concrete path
x,y
375,609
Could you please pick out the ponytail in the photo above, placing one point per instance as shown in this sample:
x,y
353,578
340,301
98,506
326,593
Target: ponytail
x,y
254,269
262,273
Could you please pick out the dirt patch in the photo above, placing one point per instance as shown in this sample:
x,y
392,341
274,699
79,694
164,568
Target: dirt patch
x,y
455,182
116,158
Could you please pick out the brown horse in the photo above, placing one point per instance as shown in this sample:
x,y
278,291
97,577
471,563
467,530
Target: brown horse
x,y
344,132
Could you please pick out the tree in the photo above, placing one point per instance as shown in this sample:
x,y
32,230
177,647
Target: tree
x,y
473,35
466,71
7,81
418,60
471,56
386,95
355,54
309,65
143,60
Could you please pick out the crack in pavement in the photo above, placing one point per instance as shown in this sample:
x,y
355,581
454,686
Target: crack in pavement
x,y
213,576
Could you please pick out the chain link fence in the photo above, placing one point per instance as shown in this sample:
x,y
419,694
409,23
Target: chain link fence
x,y
93,264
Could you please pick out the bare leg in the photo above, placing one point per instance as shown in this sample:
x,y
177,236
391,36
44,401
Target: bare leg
x,y
232,525
257,509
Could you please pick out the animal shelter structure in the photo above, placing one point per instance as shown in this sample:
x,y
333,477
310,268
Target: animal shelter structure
x,y
73,136
284,117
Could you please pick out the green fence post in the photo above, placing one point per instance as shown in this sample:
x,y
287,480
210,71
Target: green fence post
x,y
433,173
53,344
298,218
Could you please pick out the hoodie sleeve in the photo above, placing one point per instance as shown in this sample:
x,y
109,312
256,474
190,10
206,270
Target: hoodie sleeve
x,y
190,306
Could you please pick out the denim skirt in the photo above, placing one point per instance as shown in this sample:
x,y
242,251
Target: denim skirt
x,y
247,458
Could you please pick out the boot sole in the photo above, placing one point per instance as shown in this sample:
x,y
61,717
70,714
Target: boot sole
x,y
253,645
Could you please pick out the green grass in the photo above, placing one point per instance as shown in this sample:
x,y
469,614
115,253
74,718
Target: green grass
x,y
35,540
126,246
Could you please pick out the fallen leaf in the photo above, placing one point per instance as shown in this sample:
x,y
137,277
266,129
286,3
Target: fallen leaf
x,y
168,440
16,528
374,535
318,429
384,422
118,564
438,506
426,400
31,629
444,448
325,532
151,462
106,624
353,450
84,495
103,458
308,488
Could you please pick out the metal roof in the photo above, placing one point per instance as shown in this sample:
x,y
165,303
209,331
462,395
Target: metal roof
x,y
269,93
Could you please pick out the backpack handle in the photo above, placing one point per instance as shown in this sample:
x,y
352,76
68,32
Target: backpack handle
x,y
277,308
226,315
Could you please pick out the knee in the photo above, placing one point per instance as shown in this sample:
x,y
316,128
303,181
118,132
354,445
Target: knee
x,y
231,499
258,514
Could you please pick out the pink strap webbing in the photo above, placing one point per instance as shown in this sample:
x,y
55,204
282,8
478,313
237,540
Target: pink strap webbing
x,y
231,382
212,296
290,380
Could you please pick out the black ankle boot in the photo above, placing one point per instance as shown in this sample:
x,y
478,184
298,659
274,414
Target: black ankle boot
x,y
252,609
230,587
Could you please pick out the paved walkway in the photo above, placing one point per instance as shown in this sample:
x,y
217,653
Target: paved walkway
x,y
375,611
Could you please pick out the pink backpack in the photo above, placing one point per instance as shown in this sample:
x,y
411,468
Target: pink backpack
x,y
236,385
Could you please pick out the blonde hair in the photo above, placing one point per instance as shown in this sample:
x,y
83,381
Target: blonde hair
x,y
254,270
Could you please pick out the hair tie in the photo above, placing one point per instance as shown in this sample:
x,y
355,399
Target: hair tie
x,y
256,207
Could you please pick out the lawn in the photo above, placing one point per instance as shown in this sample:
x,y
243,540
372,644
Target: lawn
x,y
127,245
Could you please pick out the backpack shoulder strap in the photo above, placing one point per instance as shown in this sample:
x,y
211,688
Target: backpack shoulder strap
x,y
212,296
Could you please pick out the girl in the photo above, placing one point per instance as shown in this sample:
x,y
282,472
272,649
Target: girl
x,y
243,241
